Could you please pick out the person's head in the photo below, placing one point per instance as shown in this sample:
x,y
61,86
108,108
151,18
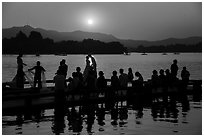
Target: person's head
x,y
89,55
63,61
161,72
121,71
184,68
20,55
175,61
130,69
38,63
154,72
167,71
137,74
100,73
78,69
114,73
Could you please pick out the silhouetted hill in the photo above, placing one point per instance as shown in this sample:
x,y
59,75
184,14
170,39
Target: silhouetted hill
x,y
80,35
58,36
36,44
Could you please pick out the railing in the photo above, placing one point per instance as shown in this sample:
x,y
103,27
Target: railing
x,y
190,83
29,95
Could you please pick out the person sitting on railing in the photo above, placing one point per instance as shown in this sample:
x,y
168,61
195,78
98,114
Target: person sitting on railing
x,y
101,82
123,78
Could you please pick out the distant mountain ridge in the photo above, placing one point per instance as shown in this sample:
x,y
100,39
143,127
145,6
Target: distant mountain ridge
x,y
81,35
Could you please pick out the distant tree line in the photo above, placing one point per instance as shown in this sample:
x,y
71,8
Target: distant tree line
x,y
36,44
170,48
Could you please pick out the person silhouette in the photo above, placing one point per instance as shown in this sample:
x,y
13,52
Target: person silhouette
x,y
138,83
168,77
20,61
140,78
94,65
63,67
136,94
75,83
123,78
155,79
91,81
114,80
185,77
59,107
37,78
87,68
162,78
174,69
79,74
20,73
130,75
20,77
101,81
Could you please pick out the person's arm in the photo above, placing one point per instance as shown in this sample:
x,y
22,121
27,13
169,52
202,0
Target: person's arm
x,y
42,69
31,69
24,64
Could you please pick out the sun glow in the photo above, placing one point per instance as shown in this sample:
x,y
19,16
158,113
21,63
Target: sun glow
x,y
90,22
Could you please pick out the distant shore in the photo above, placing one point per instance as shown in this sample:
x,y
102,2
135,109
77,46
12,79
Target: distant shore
x,y
64,54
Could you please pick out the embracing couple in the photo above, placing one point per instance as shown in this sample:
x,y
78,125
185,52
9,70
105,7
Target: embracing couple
x,y
90,66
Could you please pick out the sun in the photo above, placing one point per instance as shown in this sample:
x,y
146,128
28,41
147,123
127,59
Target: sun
x,y
90,22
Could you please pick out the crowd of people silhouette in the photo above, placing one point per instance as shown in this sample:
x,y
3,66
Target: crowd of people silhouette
x,y
89,80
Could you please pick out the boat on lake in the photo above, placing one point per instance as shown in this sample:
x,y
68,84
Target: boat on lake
x,y
144,53
126,53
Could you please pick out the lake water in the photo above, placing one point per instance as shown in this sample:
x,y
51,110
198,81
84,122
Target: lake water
x,y
154,119
107,63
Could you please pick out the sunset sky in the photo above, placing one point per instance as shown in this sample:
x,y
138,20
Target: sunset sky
x,y
139,21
